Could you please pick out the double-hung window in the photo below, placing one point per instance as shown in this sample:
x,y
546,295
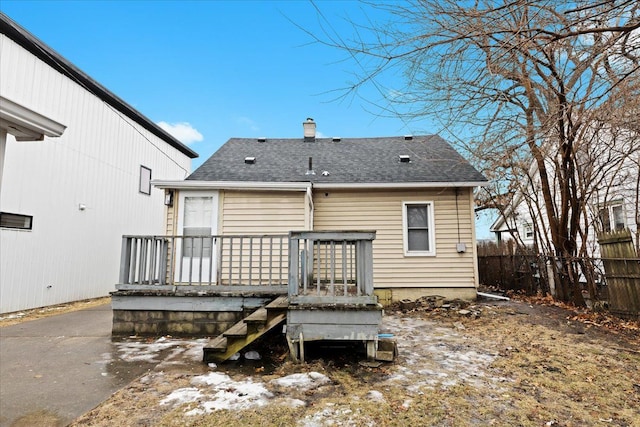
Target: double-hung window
x,y
418,229
612,216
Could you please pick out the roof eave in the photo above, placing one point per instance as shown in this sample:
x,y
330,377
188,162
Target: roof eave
x,y
227,185
301,186
391,185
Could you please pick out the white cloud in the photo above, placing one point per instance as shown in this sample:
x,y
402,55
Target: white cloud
x,y
320,135
246,121
182,131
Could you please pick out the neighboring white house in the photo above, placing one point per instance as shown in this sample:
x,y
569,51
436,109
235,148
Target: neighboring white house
x,y
610,174
76,164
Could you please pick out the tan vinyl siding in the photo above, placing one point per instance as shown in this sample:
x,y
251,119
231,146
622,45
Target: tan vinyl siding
x,y
262,212
382,211
171,226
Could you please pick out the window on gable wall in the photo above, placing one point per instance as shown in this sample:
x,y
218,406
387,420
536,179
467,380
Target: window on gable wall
x,y
418,229
611,217
145,180
528,231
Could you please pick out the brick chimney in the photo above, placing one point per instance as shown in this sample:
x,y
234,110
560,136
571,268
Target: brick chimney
x,y
309,127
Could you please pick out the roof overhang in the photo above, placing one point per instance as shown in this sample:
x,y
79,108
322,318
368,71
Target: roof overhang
x,y
382,185
232,185
25,124
302,186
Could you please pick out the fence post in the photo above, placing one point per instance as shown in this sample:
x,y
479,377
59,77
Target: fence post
x,y
164,257
294,254
125,260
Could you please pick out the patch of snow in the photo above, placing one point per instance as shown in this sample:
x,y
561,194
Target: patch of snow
x,y
305,381
222,392
182,395
294,403
13,316
430,355
252,355
375,396
330,416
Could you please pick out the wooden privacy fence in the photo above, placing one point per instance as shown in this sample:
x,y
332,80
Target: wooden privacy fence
x,y
622,272
516,272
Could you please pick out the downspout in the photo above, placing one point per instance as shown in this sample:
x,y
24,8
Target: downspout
x,y
310,205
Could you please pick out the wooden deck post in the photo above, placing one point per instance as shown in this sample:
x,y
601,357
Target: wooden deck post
x,y
125,260
294,254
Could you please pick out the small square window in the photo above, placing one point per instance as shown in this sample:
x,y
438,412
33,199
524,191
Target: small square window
x,y
16,221
145,180
528,231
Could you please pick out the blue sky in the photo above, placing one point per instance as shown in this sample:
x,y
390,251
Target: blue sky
x,y
212,70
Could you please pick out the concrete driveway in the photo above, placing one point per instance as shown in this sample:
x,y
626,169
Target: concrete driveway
x,y
54,369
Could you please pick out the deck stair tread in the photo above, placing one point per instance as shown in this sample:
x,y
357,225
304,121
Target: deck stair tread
x,y
246,331
218,344
280,303
237,330
258,316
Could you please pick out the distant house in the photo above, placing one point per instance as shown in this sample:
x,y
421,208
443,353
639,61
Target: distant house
x,y
414,192
76,164
612,196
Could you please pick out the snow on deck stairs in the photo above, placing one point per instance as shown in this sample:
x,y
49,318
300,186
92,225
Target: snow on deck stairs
x,y
246,331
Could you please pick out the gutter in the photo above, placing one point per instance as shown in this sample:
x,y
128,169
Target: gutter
x,y
235,185
337,185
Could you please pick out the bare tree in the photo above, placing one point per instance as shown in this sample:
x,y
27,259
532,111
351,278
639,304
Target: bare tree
x,y
528,78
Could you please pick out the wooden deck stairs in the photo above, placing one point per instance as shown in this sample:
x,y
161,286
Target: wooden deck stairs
x,y
246,331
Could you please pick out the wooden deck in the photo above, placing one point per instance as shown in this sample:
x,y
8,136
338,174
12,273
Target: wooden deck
x,y
321,283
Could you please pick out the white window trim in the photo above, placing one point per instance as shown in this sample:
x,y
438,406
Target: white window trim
x,y
432,229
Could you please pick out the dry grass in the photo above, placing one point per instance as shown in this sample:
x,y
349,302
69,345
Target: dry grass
x,y
546,370
8,319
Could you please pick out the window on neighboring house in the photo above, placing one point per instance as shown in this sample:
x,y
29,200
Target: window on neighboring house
x,y
197,222
16,221
528,231
145,180
612,217
418,228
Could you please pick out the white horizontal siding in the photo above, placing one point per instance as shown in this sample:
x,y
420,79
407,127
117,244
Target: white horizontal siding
x,y
72,254
382,211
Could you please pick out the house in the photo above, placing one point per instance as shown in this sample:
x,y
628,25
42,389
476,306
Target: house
x,y
76,164
416,192
609,172
336,225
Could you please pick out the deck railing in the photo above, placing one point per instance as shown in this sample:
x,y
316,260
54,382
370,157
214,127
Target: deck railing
x,y
315,267
230,261
331,267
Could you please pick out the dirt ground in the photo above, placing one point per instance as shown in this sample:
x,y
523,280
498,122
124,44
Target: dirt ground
x,y
37,313
493,363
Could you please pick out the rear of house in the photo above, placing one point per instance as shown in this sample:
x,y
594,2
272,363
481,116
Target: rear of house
x,y
415,192
76,168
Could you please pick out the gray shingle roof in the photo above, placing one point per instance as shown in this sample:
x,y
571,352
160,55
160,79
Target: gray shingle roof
x,y
350,160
